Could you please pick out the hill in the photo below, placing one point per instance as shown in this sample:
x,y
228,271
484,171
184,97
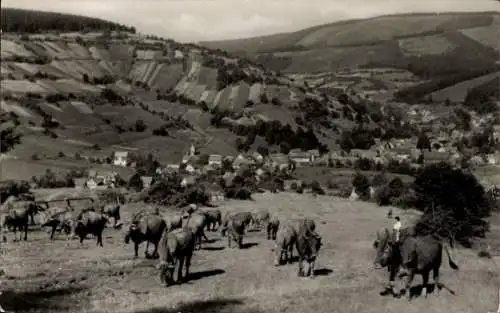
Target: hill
x,y
30,21
446,48
91,93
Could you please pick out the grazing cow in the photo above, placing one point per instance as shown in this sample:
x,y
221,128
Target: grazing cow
x,y
175,247
308,245
260,218
17,215
285,240
145,227
415,254
60,218
272,228
214,217
173,222
112,210
245,217
235,230
196,222
90,222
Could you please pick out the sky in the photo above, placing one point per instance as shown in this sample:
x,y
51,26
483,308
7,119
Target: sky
x,y
203,20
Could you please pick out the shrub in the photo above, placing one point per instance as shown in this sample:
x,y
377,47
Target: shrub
x,y
140,126
316,188
135,183
13,188
361,185
454,203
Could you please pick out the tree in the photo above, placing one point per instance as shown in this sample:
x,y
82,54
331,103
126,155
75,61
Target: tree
x,y
140,126
8,139
423,142
453,202
361,185
135,182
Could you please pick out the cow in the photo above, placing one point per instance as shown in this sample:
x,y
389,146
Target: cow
x,y
415,254
196,222
245,217
260,218
112,210
60,218
176,246
17,215
308,245
145,227
285,240
173,222
90,222
272,228
214,218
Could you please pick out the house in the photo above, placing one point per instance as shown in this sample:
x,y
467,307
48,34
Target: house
x,y
242,160
92,184
367,154
189,154
188,181
277,159
215,159
190,169
432,157
257,157
146,181
299,157
80,183
404,153
313,155
120,158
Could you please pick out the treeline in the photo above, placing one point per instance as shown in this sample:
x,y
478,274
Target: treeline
x,y
30,21
274,133
482,98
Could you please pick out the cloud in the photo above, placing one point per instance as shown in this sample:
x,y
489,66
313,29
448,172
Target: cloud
x,y
193,20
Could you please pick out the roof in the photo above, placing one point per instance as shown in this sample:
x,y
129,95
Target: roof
x,y
298,154
279,158
314,152
402,150
364,153
80,181
121,153
436,155
146,179
215,157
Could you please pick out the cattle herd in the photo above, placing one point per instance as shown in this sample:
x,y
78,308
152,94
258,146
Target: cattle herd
x,y
175,237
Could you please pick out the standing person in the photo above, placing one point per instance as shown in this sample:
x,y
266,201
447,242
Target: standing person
x,y
396,227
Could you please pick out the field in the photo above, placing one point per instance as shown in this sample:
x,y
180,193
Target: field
x,y
62,276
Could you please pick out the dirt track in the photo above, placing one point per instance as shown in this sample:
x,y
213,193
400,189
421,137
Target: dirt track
x,y
61,276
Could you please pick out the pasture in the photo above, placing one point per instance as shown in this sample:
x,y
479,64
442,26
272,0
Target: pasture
x,y
62,276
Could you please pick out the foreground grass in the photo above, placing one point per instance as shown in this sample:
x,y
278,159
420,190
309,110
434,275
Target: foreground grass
x,y
61,276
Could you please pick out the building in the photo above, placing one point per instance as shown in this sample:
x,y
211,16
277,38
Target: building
x,y
146,181
433,157
120,158
80,183
299,157
215,159
313,155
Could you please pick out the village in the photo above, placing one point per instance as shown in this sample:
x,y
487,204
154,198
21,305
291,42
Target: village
x,y
395,152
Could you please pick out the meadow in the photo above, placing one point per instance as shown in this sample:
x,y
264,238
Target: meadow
x,y
62,276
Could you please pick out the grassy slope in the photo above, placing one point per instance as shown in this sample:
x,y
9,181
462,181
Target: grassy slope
x,y
61,276
89,126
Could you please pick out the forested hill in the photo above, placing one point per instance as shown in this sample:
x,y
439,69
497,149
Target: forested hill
x,y
30,21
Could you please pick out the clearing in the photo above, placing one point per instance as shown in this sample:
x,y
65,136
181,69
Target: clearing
x,y
61,276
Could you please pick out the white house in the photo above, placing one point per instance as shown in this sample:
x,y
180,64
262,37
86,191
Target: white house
x,y
215,159
120,158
